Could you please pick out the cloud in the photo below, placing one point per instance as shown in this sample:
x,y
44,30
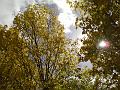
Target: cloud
x,y
8,9
74,33
66,17
55,8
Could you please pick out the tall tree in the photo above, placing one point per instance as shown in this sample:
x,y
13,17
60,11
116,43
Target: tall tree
x,y
48,48
100,20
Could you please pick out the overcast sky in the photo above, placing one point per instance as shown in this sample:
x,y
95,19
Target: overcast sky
x,y
9,8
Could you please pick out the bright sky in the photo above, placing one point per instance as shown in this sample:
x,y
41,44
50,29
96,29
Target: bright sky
x,y
67,17
9,8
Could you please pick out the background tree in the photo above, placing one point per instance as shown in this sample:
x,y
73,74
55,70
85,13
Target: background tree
x,y
47,46
100,20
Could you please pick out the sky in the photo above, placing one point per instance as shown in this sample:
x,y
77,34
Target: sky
x,y
10,8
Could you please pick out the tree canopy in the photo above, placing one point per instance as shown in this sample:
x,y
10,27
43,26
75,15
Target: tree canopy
x,y
35,53
100,21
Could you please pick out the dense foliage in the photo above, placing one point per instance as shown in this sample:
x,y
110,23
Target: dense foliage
x,y
100,20
16,70
35,53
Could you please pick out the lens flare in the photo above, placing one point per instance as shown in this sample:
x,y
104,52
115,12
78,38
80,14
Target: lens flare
x,y
104,44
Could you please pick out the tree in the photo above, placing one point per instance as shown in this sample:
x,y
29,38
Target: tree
x,y
47,46
100,20
16,69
